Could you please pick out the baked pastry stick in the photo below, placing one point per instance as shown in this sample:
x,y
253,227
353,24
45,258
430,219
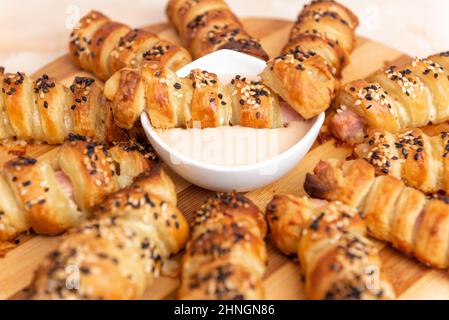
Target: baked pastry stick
x,y
397,214
421,161
47,111
103,47
122,251
393,99
306,73
226,257
206,26
336,258
51,196
197,100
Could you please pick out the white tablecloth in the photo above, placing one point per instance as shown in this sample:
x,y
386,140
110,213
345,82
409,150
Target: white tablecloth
x,y
36,31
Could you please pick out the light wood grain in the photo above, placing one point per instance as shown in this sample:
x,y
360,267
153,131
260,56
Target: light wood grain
x,y
282,281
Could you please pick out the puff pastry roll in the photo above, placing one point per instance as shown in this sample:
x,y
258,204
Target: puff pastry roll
x,y
305,73
198,100
397,214
337,260
393,99
103,47
206,26
122,251
46,111
226,257
421,161
50,197
254,104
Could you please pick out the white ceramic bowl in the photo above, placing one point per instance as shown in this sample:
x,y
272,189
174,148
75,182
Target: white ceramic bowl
x,y
228,178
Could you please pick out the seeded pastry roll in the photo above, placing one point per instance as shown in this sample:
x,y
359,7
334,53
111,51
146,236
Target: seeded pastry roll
x,y
337,260
50,197
422,161
226,257
395,213
46,111
198,99
306,72
118,254
104,47
393,99
206,26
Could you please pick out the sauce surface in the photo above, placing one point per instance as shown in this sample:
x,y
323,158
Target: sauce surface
x,y
236,145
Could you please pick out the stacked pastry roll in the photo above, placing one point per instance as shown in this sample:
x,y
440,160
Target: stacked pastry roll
x,y
393,99
206,26
306,73
51,196
47,111
420,160
397,214
337,260
103,47
226,257
119,253
197,100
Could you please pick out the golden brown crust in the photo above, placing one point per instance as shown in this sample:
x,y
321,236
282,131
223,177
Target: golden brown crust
x,y
81,36
182,12
222,281
125,89
329,26
305,74
13,220
349,184
226,255
131,159
51,196
119,253
210,25
334,55
418,159
368,101
163,103
46,111
172,228
432,235
302,79
101,45
331,7
395,99
394,213
18,97
89,109
286,216
105,47
91,170
42,202
205,104
129,49
156,181
254,104
333,251
167,53
197,100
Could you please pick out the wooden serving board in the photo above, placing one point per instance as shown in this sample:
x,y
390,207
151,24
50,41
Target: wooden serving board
x,y
411,279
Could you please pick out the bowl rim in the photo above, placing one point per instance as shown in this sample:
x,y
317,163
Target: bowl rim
x,y
318,121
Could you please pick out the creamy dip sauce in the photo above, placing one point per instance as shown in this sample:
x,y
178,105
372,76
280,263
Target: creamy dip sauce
x,y
235,145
